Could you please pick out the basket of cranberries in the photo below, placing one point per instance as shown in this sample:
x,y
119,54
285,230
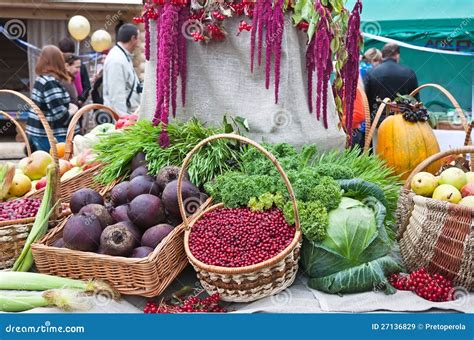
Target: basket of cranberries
x,y
240,254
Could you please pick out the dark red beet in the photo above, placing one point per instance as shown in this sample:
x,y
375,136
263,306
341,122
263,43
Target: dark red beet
x,y
142,185
146,211
138,160
83,197
118,195
140,171
141,252
58,243
191,198
120,213
117,240
82,232
100,212
167,175
153,236
137,234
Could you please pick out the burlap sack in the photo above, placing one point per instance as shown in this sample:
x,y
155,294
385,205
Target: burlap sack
x,y
220,81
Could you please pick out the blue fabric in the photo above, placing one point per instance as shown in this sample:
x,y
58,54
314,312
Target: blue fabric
x,y
364,67
42,143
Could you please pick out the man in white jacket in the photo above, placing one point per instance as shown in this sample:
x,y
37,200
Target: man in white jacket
x,y
122,87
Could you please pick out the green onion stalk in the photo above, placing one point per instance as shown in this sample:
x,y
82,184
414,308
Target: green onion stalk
x,y
40,226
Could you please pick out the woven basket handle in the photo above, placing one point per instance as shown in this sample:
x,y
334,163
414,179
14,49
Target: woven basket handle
x,y
450,97
436,157
370,127
51,139
20,130
68,150
245,140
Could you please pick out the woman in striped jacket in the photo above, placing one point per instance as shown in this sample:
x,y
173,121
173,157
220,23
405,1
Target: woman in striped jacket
x,y
51,97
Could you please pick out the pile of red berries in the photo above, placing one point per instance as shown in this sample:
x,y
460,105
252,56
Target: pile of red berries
x,y
430,287
19,208
239,237
192,304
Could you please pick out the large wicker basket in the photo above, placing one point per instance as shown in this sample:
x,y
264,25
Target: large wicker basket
x,y
251,282
435,234
14,233
148,276
85,179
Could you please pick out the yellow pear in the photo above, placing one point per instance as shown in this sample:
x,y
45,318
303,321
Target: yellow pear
x,y
424,183
448,193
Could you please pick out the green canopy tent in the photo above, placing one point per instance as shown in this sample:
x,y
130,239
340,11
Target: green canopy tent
x,y
441,25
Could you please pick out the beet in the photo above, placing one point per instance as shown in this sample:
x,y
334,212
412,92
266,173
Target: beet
x,y
174,220
140,171
146,211
118,194
100,212
82,232
142,185
139,160
137,234
141,252
191,197
117,240
83,197
153,236
120,213
58,243
167,175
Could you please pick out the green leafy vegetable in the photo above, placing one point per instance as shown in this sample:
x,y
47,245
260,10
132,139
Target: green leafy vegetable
x,y
327,191
352,256
313,218
335,171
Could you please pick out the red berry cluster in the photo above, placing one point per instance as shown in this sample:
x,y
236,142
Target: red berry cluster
x,y
239,237
215,32
430,287
218,15
302,25
19,208
192,304
243,26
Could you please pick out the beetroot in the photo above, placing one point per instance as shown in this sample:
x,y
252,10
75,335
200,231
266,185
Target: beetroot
x,y
100,212
141,252
140,171
119,194
137,234
142,185
59,243
239,237
167,175
82,232
117,240
146,211
138,160
153,236
120,213
83,197
191,197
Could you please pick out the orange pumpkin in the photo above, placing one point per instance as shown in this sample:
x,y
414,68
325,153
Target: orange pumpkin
x,y
404,145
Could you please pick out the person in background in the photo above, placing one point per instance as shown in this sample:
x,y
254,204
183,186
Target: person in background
x,y
121,86
371,58
73,67
51,97
389,78
81,80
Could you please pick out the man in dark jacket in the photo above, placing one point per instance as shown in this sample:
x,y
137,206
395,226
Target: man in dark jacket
x,y
389,78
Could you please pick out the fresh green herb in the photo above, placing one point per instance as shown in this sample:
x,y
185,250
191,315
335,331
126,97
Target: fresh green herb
x,y
335,171
313,219
266,201
328,192
117,150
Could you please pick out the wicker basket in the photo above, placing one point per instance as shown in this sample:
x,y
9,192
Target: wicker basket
x,y
148,276
251,282
85,179
13,233
434,234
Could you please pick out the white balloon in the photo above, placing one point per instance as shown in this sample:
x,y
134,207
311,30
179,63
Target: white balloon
x,y
79,27
101,40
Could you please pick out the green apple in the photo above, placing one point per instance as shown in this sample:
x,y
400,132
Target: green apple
x,y
424,183
468,201
448,193
453,176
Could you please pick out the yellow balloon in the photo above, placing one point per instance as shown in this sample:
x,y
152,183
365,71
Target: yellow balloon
x,y
79,27
101,40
